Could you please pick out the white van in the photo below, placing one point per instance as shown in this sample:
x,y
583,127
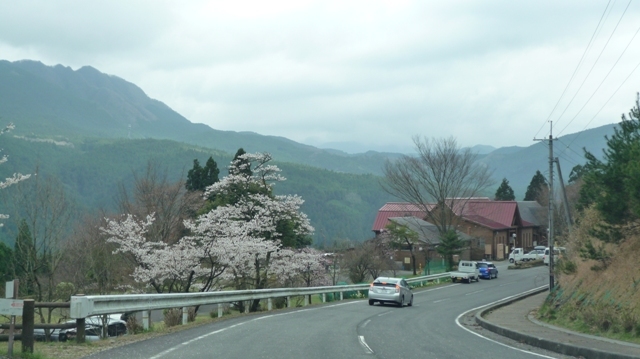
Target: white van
x,y
557,253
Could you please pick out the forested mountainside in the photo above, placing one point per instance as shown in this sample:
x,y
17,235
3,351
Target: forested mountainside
x,y
339,205
61,103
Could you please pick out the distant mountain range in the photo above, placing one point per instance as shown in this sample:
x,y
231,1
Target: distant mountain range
x,y
56,103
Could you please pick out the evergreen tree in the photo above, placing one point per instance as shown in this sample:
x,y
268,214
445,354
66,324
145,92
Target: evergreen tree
x,y
450,245
613,184
199,178
194,177
210,173
505,192
534,190
6,263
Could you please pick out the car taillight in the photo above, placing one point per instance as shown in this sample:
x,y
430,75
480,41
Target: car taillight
x,y
397,288
371,286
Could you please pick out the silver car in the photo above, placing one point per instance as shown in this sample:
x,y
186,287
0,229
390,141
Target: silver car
x,y
390,290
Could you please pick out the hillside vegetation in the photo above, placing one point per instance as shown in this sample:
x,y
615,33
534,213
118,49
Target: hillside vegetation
x,y
339,205
599,278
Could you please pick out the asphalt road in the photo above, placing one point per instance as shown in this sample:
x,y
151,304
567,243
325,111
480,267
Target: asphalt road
x,y
353,329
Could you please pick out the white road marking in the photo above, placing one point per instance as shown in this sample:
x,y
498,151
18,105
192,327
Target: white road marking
x,y
491,340
364,344
365,323
381,314
477,291
441,300
161,354
502,285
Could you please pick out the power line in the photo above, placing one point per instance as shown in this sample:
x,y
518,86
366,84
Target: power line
x,y
595,31
593,66
603,80
614,93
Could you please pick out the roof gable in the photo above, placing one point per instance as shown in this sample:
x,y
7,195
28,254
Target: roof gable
x,y
397,209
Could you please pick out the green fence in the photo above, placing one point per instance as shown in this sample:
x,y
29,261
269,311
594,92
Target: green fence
x,y
435,267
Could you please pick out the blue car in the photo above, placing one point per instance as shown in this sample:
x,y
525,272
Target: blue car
x,y
487,270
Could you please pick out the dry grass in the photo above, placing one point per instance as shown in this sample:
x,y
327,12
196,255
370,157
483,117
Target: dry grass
x,y
603,302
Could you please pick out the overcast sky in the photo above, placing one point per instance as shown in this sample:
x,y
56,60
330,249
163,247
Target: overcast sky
x,y
372,73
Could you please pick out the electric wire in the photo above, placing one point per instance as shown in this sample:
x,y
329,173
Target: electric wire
x,y
594,65
601,108
603,80
595,31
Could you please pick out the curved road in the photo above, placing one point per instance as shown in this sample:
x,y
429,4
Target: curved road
x,y
353,329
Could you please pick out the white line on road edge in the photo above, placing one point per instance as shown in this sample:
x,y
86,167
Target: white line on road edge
x,y
364,344
161,354
491,340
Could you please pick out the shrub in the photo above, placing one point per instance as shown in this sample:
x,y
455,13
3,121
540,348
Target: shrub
x,y
133,326
172,317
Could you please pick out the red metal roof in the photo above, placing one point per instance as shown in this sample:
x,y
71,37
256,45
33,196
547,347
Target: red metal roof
x,y
483,211
492,214
397,209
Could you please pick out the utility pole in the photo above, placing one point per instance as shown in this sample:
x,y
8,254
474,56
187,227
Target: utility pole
x,y
550,237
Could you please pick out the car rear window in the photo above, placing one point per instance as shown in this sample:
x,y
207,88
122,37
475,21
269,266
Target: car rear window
x,y
482,265
390,282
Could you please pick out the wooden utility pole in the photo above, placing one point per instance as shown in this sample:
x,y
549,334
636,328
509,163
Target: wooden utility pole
x,y
550,235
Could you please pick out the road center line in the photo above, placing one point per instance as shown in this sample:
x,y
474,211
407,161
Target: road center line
x,y
365,323
477,291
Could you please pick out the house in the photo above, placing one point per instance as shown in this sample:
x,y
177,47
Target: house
x,y
428,240
397,209
493,227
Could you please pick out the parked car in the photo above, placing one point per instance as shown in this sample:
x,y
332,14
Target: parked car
x,y
558,252
487,270
533,255
390,290
93,328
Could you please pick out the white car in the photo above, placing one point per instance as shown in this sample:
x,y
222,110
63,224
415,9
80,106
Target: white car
x,y
533,255
390,290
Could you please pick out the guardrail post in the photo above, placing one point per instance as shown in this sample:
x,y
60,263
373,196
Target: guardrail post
x,y
185,315
306,300
219,310
269,304
146,323
437,280
341,296
288,302
246,307
27,325
80,330
324,297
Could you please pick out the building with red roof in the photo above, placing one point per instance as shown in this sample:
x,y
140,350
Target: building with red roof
x,y
498,225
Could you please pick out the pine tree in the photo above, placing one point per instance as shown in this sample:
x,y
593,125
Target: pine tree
x,y
505,192
534,190
450,244
194,177
210,173
6,262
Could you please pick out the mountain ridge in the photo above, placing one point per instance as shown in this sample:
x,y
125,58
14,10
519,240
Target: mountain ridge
x,y
59,102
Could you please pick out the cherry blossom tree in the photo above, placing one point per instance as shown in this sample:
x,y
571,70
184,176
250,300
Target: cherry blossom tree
x,y
262,225
249,237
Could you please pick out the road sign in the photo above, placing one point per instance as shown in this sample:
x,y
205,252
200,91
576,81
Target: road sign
x,y
8,291
11,306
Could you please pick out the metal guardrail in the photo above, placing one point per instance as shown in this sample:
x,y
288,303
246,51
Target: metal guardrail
x,y
86,306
